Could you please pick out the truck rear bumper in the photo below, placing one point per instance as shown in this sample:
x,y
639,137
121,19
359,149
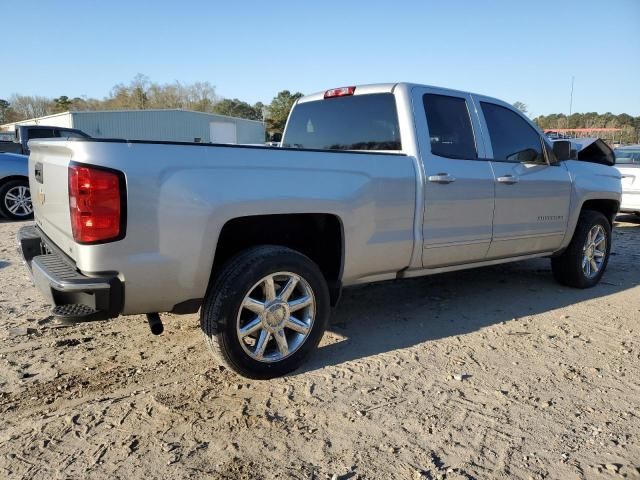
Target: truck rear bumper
x,y
75,297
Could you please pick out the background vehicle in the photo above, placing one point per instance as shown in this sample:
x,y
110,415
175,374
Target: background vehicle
x,y
371,183
15,196
24,133
628,163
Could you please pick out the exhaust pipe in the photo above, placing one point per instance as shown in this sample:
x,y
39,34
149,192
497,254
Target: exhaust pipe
x,y
155,324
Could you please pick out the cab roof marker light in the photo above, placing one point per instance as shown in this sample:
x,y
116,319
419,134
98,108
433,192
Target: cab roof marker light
x,y
339,92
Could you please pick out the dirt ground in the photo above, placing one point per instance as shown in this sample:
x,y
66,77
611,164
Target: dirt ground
x,y
491,373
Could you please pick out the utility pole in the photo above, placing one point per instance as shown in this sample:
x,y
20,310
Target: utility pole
x,y
571,98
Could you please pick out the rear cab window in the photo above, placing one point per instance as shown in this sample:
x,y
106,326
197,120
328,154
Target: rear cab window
x,y
358,122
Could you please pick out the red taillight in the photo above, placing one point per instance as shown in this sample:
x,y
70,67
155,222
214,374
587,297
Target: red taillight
x,y
95,204
339,92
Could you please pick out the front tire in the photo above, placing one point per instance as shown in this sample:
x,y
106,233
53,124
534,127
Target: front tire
x,y
584,261
265,311
15,200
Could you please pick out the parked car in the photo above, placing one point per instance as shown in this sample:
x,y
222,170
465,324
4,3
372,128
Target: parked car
x,y
24,133
15,196
628,163
371,183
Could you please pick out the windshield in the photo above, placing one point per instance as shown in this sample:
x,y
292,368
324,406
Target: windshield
x,y
627,157
360,122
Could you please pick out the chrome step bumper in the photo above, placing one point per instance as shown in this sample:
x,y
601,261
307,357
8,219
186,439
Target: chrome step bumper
x,y
68,290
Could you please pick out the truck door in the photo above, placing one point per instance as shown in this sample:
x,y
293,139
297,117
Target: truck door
x,y
532,192
458,187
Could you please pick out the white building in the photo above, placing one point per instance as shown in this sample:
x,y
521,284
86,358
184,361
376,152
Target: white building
x,y
163,125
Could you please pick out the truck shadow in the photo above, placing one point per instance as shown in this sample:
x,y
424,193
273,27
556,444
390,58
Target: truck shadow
x,y
632,219
392,315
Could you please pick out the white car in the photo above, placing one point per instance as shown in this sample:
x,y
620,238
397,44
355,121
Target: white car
x,y
628,163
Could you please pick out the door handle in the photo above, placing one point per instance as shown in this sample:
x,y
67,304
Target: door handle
x,y
443,178
508,179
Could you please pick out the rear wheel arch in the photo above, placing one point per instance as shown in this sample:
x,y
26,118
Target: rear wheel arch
x,y
319,236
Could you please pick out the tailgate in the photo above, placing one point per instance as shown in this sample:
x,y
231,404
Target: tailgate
x,y
48,179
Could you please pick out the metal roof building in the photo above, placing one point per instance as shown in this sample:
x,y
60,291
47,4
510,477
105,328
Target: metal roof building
x,y
168,125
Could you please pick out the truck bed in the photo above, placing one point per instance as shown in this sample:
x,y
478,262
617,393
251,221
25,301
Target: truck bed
x,y
180,195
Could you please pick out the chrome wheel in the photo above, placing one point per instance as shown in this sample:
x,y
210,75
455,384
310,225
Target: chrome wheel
x,y
594,251
17,201
276,317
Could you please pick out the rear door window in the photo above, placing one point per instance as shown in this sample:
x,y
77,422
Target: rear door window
x,y
449,126
512,139
359,122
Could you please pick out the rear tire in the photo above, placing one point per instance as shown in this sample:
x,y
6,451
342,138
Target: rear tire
x,y
15,200
256,326
584,261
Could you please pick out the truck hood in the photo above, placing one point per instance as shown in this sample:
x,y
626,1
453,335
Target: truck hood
x,y
593,150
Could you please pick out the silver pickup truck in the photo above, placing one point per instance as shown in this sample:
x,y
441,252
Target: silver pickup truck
x,y
371,183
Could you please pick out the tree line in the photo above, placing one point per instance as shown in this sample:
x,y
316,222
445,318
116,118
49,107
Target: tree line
x,y
630,126
143,94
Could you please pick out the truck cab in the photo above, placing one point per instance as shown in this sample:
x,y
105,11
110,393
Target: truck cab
x,y
489,185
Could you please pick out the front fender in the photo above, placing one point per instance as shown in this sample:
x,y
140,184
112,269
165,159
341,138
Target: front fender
x,y
590,181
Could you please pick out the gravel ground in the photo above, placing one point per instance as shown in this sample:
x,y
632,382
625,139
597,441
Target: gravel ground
x,y
490,373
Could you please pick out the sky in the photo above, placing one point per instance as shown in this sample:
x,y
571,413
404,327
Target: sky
x,y
524,51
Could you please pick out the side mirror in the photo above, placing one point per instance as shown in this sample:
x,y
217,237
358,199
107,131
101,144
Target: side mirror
x,y
562,149
528,155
